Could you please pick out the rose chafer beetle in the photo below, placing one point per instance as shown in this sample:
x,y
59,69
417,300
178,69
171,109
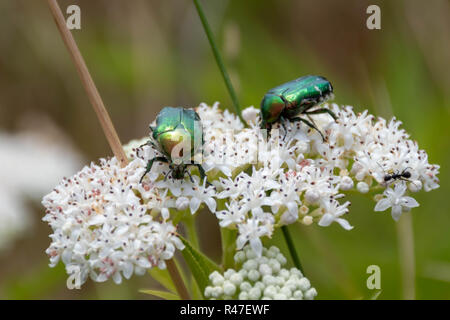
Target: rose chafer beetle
x,y
294,98
178,135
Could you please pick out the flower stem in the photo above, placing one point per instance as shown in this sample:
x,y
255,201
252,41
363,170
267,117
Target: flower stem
x,y
189,223
219,60
228,238
405,236
177,280
291,247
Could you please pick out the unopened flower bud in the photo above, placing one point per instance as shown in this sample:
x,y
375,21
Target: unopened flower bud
x,y
362,187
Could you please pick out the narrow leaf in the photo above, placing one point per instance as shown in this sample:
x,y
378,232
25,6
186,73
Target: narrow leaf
x,y
163,278
161,294
199,264
375,295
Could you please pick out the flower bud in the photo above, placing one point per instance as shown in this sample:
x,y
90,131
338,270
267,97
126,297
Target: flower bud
x,y
362,187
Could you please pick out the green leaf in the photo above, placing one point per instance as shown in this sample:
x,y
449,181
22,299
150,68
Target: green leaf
x,y
372,295
163,278
161,294
199,264
375,295
195,291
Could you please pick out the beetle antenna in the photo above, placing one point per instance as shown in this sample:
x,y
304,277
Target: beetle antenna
x,y
190,176
404,170
167,174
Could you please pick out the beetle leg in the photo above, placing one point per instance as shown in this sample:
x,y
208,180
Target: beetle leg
x,y
268,128
149,143
145,144
309,124
283,125
150,164
190,176
167,174
323,110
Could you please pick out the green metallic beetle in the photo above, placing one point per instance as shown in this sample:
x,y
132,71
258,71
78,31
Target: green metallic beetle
x,y
295,98
177,130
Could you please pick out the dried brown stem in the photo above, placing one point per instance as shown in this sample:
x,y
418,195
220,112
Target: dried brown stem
x,y
103,116
89,85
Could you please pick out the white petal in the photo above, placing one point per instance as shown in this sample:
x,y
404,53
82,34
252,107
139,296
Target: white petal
x,y
256,245
165,213
226,171
326,220
344,224
97,219
128,270
117,277
288,218
409,202
292,207
240,242
194,205
211,203
400,189
396,212
382,205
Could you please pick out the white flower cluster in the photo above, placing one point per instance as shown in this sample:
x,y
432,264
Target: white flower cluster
x,y
107,225
293,175
260,278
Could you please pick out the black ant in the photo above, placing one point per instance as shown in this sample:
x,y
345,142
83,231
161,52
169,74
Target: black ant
x,y
404,175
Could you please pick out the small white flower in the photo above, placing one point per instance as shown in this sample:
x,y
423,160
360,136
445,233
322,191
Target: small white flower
x,y
346,183
182,203
202,194
415,185
395,198
233,216
251,231
333,212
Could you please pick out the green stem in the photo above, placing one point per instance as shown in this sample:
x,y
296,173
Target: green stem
x,y
191,229
218,58
405,235
228,238
291,247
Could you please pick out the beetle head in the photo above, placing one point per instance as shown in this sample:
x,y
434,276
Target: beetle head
x,y
272,106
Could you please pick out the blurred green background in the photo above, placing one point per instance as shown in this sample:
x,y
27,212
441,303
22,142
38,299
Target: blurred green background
x,y
144,55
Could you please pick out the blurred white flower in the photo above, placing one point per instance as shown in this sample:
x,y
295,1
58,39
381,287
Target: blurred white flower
x,y
30,165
